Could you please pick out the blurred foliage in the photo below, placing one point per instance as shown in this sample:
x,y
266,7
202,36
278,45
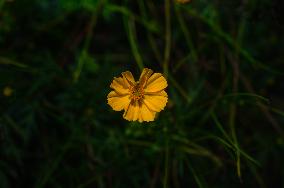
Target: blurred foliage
x,y
223,126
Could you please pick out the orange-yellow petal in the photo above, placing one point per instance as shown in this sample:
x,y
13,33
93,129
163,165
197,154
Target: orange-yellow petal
x,y
156,83
156,101
119,85
132,112
146,114
128,78
159,93
146,73
140,112
121,82
118,102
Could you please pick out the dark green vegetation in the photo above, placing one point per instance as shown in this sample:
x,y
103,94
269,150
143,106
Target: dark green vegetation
x,y
223,126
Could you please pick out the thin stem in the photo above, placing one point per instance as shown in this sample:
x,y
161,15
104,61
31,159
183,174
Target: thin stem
x,y
133,43
89,35
186,33
168,38
166,175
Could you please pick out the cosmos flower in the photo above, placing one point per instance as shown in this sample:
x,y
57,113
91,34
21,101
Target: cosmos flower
x,y
140,100
8,91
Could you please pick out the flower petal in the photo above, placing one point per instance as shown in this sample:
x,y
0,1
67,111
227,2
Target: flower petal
x,y
118,102
121,82
146,114
156,102
128,77
146,73
156,83
120,86
159,93
132,112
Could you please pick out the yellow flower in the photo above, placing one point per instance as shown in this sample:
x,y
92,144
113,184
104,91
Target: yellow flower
x,y
7,91
140,100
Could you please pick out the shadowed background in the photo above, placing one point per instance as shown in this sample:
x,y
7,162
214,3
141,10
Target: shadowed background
x,y
222,127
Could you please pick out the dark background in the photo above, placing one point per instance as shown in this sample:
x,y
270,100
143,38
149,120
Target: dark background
x,y
222,127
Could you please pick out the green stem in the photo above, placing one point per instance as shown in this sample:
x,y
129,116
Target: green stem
x,y
186,33
165,182
168,38
87,41
133,43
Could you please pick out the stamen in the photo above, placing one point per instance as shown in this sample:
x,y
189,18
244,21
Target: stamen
x,y
136,92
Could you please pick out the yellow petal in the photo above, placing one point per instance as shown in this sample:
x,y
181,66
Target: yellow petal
x,y
156,83
132,112
128,77
121,82
119,85
146,73
156,102
146,114
118,102
159,93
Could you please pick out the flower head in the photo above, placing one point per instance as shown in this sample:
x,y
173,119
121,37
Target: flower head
x,y
8,91
140,100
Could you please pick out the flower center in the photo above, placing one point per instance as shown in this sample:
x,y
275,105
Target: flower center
x,y
136,92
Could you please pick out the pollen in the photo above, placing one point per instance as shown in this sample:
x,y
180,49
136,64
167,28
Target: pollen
x,y
136,92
